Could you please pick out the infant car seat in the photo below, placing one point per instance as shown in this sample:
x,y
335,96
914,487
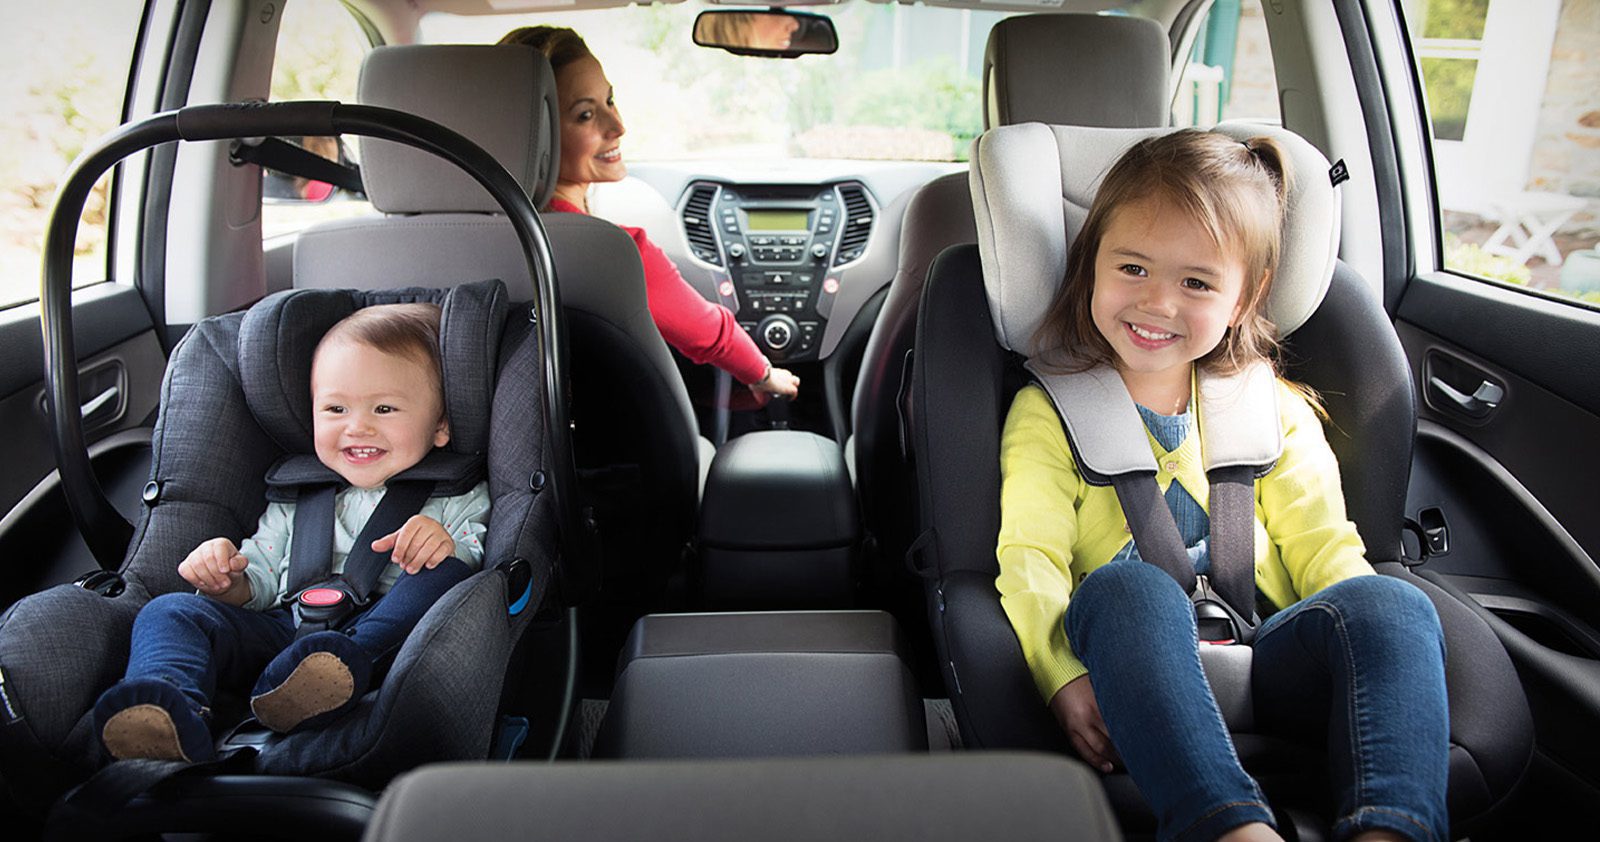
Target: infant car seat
x,y
235,401
1032,185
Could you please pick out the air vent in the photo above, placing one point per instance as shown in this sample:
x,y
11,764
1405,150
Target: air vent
x,y
857,223
697,223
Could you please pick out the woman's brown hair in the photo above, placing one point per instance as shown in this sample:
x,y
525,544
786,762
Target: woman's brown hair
x,y
1236,190
560,45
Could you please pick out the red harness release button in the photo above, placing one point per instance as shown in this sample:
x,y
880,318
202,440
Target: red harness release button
x,y
321,597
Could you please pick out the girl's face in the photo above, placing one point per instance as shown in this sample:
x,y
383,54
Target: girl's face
x,y
374,414
1164,295
590,124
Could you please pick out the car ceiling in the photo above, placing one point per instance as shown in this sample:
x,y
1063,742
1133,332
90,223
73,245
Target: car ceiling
x,y
397,19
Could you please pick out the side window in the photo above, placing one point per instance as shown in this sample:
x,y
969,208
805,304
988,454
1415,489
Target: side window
x,y
68,65
1229,75
1515,113
319,52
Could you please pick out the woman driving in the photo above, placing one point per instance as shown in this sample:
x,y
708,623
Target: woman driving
x,y
590,129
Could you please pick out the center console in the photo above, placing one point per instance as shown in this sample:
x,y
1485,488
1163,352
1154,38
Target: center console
x,y
781,249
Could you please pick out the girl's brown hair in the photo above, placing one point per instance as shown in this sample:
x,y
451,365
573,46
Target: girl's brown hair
x,y
560,45
406,330
1237,190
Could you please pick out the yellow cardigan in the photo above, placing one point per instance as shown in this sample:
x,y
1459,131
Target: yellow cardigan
x,y
1055,528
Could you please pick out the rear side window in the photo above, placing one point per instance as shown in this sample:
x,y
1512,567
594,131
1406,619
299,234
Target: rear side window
x,y
67,74
1229,75
1514,108
319,53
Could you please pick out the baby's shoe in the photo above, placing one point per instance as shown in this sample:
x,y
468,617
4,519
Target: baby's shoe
x,y
315,680
147,718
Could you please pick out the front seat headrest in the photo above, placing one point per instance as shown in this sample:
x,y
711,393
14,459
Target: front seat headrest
x,y
1087,70
502,98
1032,185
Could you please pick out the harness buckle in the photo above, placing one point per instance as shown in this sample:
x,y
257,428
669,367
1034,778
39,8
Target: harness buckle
x,y
325,605
1215,620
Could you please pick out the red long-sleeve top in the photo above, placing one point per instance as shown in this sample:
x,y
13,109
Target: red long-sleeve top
x,y
700,330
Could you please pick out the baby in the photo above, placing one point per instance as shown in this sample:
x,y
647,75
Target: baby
x,y
378,409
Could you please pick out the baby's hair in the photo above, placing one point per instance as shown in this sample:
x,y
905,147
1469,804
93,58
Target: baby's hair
x,y
407,330
1235,189
560,45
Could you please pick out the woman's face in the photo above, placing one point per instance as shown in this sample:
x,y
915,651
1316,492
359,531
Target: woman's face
x,y
772,32
590,124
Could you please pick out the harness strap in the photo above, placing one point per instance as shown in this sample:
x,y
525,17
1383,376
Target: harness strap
x,y
1155,533
311,546
1233,533
363,567
311,558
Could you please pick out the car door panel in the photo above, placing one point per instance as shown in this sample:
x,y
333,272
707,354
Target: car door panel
x,y
1513,485
121,364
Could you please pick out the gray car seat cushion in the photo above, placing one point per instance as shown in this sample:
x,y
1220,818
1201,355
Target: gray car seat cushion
x,y
502,98
1086,70
1032,185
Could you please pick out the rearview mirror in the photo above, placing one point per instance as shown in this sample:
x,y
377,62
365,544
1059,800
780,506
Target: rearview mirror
x,y
774,34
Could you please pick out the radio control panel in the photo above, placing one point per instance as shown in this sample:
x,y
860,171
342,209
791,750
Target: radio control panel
x,y
782,248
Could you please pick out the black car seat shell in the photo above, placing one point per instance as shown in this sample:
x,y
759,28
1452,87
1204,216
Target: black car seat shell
x,y
1032,186
235,401
1089,70
434,225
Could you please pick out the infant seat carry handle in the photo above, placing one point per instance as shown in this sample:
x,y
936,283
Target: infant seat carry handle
x,y
104,529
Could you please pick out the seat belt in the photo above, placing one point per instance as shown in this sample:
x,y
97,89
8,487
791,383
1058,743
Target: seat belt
x,y
1231,583
321,600
282,156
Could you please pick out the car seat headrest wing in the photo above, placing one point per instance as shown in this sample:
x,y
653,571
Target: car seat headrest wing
x,y
278,336
1032,185
502,98
1086,70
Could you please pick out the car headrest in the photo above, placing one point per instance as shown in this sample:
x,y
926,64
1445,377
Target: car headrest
x,y
502,98
1080,70
1031,189
279,334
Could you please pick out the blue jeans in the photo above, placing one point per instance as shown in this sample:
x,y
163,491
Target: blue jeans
x,y
199,644
1358,666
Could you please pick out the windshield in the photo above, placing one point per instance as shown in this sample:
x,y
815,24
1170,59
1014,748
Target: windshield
x,y
904,84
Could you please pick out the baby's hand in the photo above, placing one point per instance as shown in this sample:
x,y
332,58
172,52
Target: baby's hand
x,y
214,568
421,542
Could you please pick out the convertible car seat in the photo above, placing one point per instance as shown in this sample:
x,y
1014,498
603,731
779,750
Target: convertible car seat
x,y
635,435
1088,70
235,402
1032,185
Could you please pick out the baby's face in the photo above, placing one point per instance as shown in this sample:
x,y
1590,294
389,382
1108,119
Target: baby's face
x,y
374,414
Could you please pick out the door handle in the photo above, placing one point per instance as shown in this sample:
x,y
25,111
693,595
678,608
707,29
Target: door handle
x,y
99,401
1486,397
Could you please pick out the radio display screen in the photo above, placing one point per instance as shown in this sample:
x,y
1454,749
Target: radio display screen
x,y
776,220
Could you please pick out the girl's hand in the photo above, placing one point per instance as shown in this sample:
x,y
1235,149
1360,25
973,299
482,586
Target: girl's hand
x,y
216,569
1079,714
421,542
779,382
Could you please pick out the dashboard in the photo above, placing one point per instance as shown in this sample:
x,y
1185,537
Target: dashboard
x,y
795,249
